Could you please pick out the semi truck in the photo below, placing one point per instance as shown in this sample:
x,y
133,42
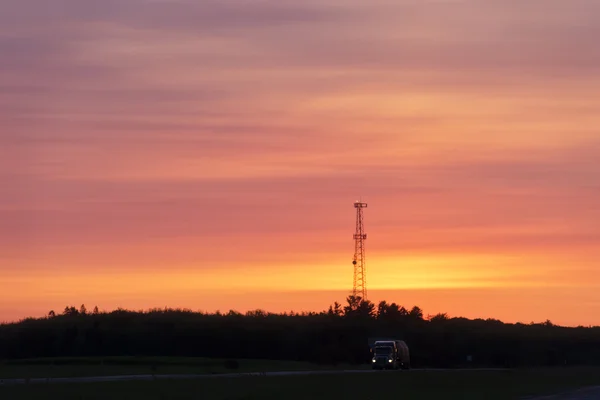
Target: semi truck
x,y
390,354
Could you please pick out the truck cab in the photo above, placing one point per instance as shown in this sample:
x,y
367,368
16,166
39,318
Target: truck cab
x,y
384,357
390,354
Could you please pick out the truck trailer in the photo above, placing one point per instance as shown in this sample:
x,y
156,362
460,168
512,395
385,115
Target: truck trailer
x,y
390,354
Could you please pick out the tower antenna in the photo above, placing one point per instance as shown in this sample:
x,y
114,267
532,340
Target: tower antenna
x,y
359,287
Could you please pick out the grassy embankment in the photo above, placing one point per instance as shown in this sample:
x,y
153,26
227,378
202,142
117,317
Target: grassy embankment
x,y
422,385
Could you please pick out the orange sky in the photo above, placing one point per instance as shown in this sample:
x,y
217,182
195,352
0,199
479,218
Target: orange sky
x,y
207,154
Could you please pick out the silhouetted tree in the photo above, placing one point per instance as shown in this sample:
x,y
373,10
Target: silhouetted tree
x,y
382,309
337,309
70,310
416,313
439,317
357,307
390,311
395,311
353,304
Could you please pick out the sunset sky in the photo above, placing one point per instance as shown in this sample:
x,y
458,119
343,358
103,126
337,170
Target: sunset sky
x,y
207,154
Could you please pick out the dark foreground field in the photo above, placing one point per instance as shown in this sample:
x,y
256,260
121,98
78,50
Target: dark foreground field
x,y
414,384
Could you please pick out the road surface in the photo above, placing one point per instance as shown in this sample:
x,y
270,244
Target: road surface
x,y
589,393
116,378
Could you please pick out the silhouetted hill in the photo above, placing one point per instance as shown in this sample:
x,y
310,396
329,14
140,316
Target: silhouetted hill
x,y
339,334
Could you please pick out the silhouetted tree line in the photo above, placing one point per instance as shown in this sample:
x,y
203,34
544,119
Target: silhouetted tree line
x,y
337,335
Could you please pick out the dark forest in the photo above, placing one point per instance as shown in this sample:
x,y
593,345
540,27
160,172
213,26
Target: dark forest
x,y
337,335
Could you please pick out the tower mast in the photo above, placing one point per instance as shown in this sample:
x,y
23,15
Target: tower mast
x,y
360,283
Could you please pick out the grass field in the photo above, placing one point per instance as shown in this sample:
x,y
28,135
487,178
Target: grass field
x,y
78,367
422,385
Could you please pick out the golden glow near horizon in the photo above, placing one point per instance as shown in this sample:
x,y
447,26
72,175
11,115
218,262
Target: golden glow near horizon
x,y
209,160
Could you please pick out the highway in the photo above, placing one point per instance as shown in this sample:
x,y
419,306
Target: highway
x,y
588,393
149,377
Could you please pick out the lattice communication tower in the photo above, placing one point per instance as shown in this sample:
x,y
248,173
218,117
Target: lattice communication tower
x,y
360,282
